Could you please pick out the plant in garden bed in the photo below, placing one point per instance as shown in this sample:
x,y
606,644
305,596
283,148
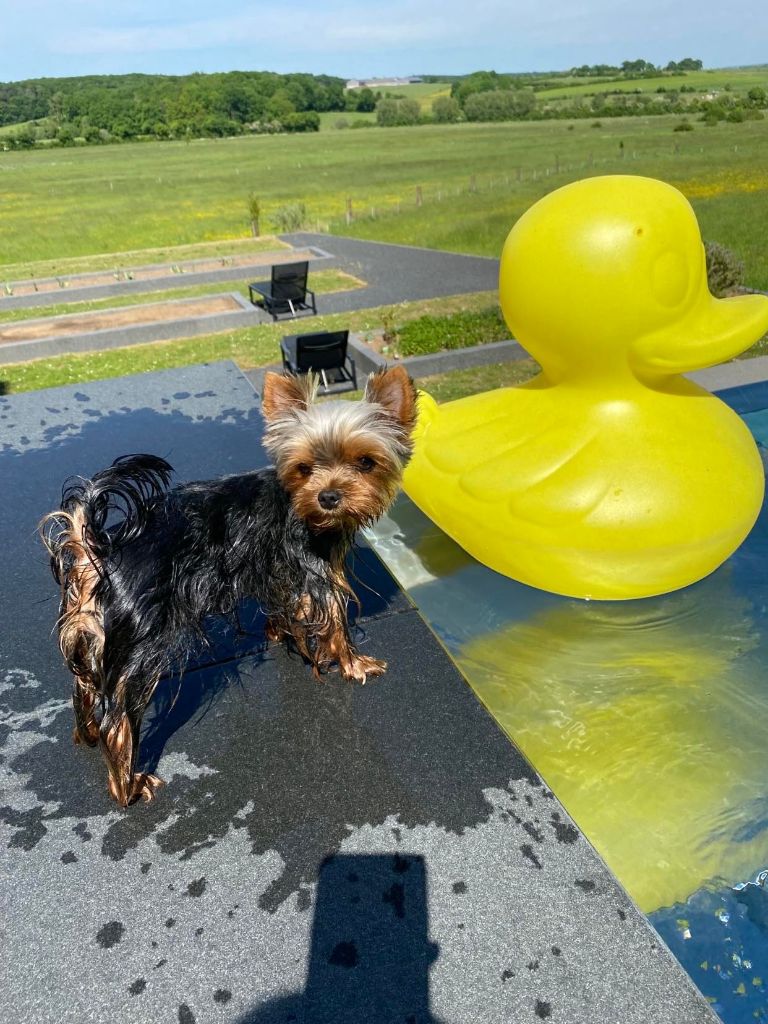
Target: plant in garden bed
x,y
465,329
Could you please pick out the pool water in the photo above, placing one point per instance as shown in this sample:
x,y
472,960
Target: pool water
x,y
649,720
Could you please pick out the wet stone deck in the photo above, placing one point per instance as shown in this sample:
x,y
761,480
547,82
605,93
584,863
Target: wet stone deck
x,y
321,852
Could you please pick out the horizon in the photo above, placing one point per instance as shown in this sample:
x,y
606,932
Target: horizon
x,y
383,76
86,38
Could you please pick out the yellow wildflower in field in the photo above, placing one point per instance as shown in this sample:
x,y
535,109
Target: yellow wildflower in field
x,y
726,183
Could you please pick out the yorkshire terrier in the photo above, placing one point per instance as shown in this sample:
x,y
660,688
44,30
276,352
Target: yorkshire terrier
x,y
140,565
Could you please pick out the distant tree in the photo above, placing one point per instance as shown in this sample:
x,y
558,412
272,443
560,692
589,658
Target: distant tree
x,y
280,105
478,81
446,110
637,67
365,100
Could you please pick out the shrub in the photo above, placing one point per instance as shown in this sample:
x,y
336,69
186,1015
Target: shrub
x,y
392,111
446,110
308,121
292,217
499,105
460,330
725,271
683,126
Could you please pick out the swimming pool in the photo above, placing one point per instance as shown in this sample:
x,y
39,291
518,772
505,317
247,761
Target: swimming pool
x,y
648,719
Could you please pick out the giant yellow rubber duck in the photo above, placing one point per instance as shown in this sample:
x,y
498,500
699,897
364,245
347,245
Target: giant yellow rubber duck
x,y
608,476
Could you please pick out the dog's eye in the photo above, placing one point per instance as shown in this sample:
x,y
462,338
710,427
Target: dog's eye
x,y
304,469
365,463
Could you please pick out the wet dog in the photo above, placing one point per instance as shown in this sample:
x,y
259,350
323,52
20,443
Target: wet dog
x,y
141,564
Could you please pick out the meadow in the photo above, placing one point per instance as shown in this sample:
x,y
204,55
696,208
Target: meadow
x,y
474,181
707,80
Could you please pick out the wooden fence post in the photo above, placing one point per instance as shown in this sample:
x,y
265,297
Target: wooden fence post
x,y
418,195
349,211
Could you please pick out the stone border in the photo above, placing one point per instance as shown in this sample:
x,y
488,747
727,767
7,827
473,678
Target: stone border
x,y
154,284
367,361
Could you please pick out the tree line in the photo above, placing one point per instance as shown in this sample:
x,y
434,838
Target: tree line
x,y
490,96
100,108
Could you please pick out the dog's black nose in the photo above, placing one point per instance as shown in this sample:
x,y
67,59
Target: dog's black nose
x,y
329,499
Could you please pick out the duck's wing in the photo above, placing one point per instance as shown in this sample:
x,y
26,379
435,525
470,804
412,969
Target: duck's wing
x,y
521,450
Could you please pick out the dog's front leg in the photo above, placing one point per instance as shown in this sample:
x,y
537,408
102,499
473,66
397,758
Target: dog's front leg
x,y
334,646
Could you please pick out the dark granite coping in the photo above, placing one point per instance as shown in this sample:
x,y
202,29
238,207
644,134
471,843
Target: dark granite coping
x,y
322,852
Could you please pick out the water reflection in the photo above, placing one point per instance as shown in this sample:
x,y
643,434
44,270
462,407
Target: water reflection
x,y
647,718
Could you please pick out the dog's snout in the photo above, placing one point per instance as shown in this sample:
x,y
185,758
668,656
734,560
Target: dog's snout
x,y
329,499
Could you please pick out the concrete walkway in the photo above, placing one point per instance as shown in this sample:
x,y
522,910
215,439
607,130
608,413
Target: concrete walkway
x,y
397,273
325,854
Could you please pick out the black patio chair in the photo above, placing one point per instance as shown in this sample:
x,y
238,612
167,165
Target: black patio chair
x,y
286,292
324,353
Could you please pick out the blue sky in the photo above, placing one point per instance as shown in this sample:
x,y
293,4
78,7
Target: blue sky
x,y
76,37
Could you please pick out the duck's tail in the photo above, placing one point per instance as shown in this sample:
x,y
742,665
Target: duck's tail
x,y
427,409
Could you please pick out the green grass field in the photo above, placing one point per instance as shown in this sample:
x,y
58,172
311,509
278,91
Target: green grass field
x,y
425,93
76,202
737,80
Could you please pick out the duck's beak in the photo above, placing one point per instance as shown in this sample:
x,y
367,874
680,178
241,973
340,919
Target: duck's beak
x,y
712,331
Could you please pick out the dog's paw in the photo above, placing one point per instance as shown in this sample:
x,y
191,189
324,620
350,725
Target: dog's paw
x,y
145,787
272,631
359,666
88,735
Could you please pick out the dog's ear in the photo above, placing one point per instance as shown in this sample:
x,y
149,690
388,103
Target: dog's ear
x,y
394,389
284,393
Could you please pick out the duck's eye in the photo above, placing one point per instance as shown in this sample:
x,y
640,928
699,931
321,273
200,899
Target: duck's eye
x,y
304,469
365,464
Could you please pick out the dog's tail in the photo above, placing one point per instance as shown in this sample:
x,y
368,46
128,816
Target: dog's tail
x,y
97,517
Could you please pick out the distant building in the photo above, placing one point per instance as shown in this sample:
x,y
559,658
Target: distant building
x,y
380,83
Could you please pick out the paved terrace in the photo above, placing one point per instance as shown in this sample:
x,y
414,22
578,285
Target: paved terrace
x,y
322,852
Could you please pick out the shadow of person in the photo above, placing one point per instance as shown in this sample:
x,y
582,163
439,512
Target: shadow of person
x,y
370,953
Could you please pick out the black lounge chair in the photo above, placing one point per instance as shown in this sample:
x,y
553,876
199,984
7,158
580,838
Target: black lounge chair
x,y
286,292
324,353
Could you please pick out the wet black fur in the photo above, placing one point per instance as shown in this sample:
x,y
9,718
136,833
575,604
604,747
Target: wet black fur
x,y
170,557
